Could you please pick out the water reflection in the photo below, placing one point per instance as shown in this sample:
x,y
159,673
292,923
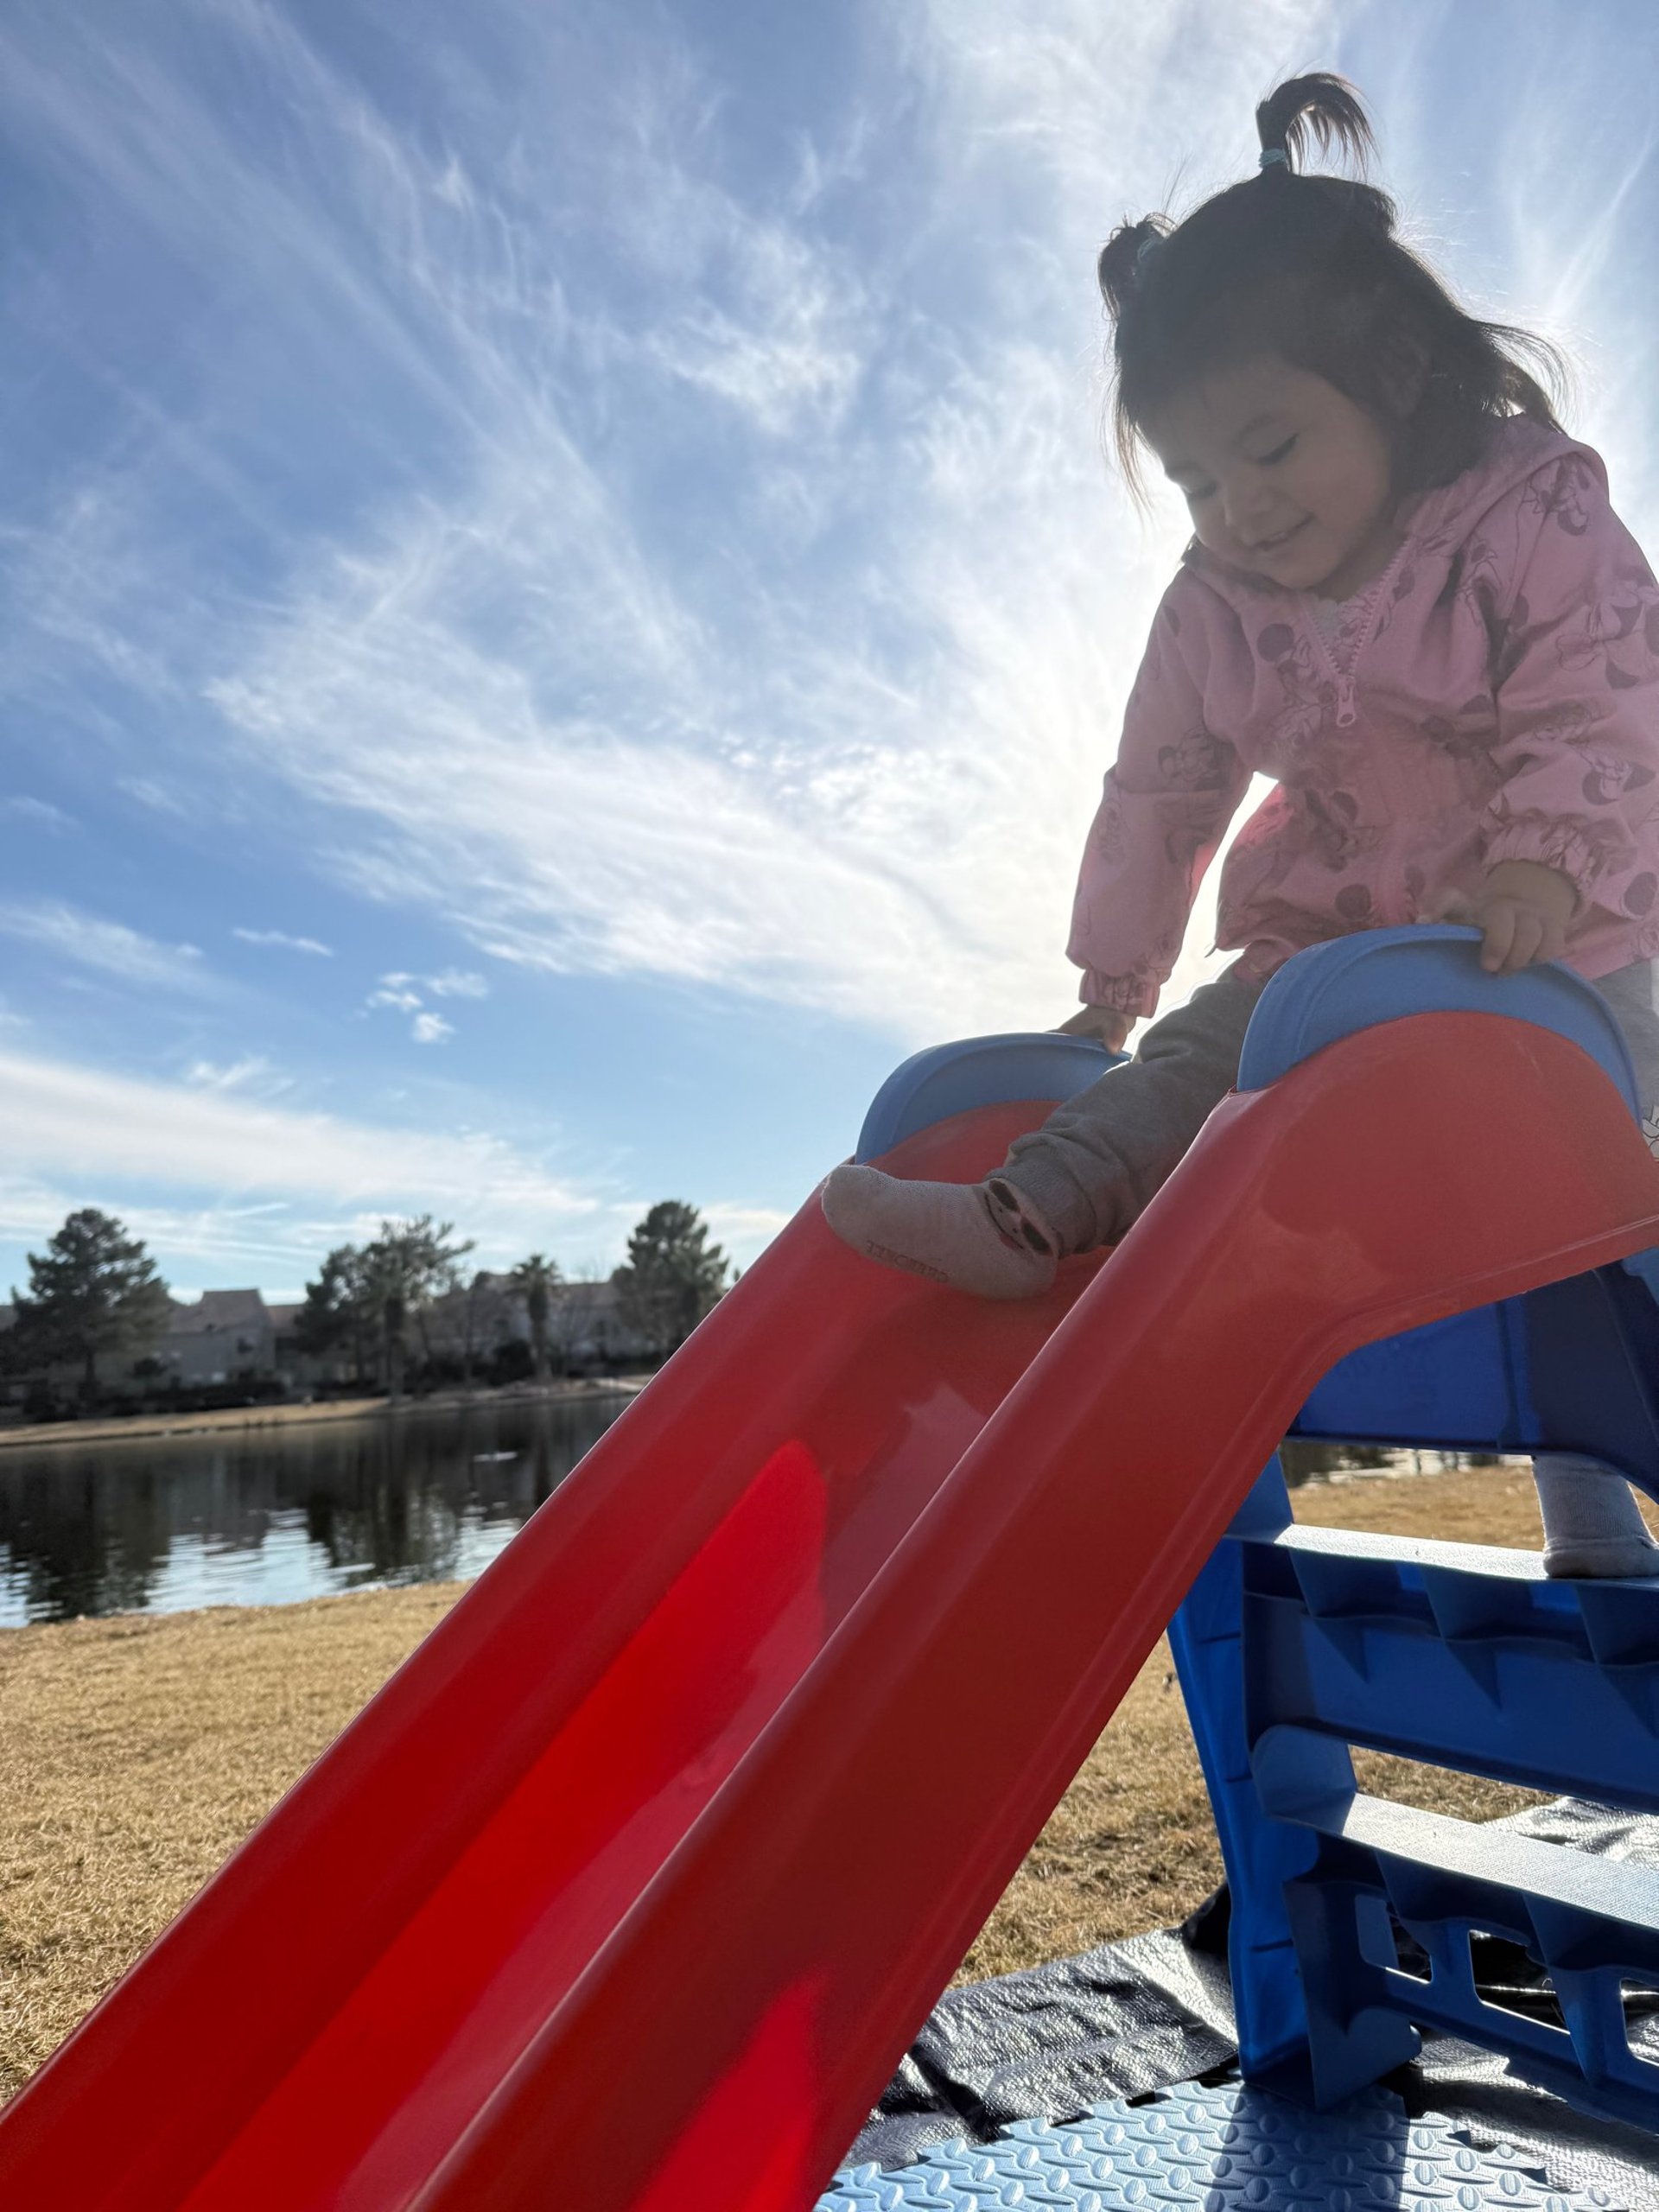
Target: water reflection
x,y
266,1518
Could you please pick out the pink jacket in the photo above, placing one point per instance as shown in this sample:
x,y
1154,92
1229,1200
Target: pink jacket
x,y
1493,695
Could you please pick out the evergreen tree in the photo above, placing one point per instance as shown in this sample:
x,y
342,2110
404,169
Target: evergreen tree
x,y
94,1289
337,1310
533,1280
672,1276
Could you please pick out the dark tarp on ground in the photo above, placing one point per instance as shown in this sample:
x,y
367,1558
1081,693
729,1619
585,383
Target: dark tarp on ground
x,y
1143,2015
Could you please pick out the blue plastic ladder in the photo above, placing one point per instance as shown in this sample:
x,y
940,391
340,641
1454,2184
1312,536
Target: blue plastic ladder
x,y
1295,1644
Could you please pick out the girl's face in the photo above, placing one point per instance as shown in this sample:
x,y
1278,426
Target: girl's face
x,y
1286,477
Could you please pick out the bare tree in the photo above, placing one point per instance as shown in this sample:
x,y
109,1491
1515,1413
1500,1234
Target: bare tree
x,y
575,1312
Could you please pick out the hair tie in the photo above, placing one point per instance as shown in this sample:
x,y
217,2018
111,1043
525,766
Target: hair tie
x,y
1272,154
1145,250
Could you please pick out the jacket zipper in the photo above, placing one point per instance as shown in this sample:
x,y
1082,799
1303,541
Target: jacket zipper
x,y
1346,680
1392,882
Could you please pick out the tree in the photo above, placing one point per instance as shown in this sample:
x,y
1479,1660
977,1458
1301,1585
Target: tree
x,y
532,1281
370,1292
482,1304
672,1276
336,1309
94,1289
408,1265
576,1316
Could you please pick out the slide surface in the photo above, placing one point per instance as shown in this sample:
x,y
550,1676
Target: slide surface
x,y
631,1887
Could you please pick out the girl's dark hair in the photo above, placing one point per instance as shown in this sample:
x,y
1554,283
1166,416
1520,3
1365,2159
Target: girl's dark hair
x,y
1308,269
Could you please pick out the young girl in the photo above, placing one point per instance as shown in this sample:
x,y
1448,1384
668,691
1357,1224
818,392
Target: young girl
x,y
1407,600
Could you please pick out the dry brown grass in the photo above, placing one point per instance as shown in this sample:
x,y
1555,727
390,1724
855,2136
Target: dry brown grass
x,y
137,1752
127,1428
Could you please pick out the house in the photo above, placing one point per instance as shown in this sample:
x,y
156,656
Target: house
x,y
228,1337
585,1328
225,1333
220,1338
469,1324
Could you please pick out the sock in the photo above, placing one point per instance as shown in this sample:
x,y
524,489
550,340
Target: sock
x,y
983,1237
1592,1528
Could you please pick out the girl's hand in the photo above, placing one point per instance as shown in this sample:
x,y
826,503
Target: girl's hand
x,y
1522,911
1103,1023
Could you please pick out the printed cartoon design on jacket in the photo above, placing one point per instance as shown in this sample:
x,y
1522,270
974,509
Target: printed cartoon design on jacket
x,y
1106,832
1496,697
1565,495
1335,832
1621,632
1573,723
1476,583
1474,578
1466,736
1585,851
1309,697
1198,762
1606,778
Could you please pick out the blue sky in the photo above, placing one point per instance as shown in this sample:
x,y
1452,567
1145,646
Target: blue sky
x,y
561,606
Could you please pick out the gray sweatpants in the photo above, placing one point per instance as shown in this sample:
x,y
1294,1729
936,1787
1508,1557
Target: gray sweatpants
x,y
1095,1164
1096,1161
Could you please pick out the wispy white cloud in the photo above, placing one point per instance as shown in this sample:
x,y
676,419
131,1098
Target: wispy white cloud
x,y
82,1124
789,351
247,1240
449,983
157,797
112,949
749,605
403,993
281,938
275,1246
866,792
40,812
252,1073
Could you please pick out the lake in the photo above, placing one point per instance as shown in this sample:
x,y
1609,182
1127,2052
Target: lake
x,y
268,1516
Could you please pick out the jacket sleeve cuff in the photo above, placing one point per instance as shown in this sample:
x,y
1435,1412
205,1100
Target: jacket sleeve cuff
x,y
1568,847
1136,995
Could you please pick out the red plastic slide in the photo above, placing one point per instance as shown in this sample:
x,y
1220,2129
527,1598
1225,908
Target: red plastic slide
x,y
629,1889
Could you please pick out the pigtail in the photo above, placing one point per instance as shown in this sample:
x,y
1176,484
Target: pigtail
x,y
1309,268
1122,264
1319,107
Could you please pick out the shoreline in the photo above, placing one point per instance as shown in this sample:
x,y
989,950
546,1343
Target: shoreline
x,y
135,1428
